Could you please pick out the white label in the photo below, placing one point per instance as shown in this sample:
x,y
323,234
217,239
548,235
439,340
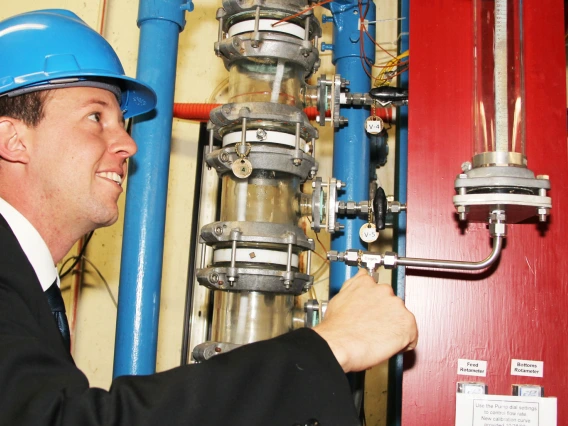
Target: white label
x,y
368,232
471,367
500,410
374,125
521,367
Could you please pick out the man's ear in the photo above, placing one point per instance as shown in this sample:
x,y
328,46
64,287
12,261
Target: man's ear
x,y
12,146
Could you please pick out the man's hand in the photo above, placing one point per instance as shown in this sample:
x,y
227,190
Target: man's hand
x,y
365,324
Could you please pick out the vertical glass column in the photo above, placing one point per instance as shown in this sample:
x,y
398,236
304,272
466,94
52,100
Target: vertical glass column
x,y
498,84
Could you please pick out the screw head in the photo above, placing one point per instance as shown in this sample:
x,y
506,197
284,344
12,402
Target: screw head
x,y
466,166
261,134
225,157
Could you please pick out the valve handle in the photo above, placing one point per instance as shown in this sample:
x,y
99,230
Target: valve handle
x,y
389,94
380,208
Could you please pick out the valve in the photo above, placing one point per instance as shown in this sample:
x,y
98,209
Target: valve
x,y
388,95
326,208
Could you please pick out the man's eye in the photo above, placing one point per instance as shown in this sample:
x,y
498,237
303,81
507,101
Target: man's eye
x,y
95,116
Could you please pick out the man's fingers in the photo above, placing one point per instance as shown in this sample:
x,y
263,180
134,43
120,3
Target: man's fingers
x,y
362,272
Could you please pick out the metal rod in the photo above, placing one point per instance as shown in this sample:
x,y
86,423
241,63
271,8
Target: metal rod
x,y
233,253
220,35
289,259
455,264
255,36
211,140
309,261
194,237
307,29
203,254
242,148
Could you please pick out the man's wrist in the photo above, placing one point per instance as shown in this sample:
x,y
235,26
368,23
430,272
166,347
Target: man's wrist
x,y
338,350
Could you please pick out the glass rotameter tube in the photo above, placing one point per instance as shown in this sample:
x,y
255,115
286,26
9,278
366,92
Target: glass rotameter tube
x,y
498,85
498,178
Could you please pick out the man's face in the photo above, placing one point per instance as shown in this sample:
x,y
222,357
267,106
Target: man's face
x,y
78,157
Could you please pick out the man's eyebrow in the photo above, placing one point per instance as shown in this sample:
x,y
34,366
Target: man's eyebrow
x,y
94,101
102,103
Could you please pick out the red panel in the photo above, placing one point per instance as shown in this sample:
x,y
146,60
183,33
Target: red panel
x,y
520,308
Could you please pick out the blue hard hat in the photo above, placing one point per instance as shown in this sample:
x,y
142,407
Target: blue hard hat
x,y
53,48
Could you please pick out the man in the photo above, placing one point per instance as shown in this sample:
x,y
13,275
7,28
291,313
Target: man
x,y
63,152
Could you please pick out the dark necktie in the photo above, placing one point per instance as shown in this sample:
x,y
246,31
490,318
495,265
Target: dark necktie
x,y
57,306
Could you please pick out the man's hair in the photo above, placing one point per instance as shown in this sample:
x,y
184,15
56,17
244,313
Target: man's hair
x,y
28,107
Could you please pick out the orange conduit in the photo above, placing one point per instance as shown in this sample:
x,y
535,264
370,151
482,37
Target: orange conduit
x,y
200,112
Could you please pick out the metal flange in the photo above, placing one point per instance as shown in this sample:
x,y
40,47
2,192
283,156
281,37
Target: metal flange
x,y
266,157
255,279
286,7
256,232
515,190
273,45
228,118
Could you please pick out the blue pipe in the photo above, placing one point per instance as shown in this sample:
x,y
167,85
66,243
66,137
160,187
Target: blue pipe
x,y
351,152
160,23
396,366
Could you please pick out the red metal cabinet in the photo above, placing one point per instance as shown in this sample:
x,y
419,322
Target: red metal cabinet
x,y
519,309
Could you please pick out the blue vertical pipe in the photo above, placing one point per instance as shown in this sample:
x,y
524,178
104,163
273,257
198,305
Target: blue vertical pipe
x,y
396,367
351,150
160,23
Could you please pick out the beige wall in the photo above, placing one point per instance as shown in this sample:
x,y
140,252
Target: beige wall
x,y
199,72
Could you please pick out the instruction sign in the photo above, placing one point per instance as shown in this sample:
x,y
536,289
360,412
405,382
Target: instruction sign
x,y
501,410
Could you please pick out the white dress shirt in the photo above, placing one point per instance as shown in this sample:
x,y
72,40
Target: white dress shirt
x,y
33,245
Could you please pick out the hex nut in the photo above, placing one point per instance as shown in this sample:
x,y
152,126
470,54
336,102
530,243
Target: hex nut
x,y
395,207
497,216
498,229
542,211
350,208
351,256
390,259
333,256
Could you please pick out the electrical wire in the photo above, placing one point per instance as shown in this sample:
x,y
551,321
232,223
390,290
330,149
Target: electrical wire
x,y
75,258
104,281
85,259
295,15
392,68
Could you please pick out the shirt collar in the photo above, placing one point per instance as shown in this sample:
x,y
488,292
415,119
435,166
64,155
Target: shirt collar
x,y
32,244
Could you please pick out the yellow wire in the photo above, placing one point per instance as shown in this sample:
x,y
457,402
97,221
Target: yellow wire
x,y
383,77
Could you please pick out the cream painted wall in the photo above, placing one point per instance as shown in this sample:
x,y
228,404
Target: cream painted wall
x,y
199,73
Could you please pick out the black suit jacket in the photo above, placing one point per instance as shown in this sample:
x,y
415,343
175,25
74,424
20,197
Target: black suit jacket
x,y
283,381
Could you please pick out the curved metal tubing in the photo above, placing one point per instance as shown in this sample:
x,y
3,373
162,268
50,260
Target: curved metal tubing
x,y
455,264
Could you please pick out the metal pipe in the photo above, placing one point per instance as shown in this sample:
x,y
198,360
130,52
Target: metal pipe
x,y
160,23
455,264
351,152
